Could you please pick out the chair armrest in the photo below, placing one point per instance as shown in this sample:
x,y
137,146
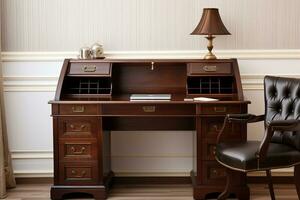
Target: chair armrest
x,y
245,118
271,127
238,118
285,125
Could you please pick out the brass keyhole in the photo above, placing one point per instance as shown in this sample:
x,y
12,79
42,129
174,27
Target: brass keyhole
x,y
152,66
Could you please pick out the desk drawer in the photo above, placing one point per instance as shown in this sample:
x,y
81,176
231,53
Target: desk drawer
x,y
213,173
78,127
209,146
209,68
90,69
78,173
211,127
78,109
218,109
148,109
77,150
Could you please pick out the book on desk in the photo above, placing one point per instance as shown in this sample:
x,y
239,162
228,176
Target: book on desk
x,y
94,97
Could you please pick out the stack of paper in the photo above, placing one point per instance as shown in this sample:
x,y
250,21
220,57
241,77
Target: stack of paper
x,y
205,99
150,97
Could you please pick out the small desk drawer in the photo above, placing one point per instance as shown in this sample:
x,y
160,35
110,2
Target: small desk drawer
x,y
218,109
209,147
148,109
79,149
78,127
78,109
211,127
90,69
213,173
209,68
78,173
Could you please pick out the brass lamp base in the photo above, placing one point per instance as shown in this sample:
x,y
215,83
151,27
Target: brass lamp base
x,y
210,55
210,47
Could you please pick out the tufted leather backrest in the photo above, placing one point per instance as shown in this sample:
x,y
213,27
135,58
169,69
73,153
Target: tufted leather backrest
x,y
282,102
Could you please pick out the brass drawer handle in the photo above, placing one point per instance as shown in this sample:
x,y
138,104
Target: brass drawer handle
x,y
74,172
72,126
82,127
216,128
220,109
89,68
214,150
214,171
149,108
80,152
210,68
78,109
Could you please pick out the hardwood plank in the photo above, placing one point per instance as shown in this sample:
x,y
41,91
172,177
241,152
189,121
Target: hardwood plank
x,y
150,192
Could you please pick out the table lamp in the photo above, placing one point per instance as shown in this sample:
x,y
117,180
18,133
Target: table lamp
x,y
210,24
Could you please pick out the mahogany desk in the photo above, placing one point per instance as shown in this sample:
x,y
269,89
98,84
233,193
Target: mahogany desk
x,y
92,99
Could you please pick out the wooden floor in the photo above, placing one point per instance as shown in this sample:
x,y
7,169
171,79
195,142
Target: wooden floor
x,y
149,192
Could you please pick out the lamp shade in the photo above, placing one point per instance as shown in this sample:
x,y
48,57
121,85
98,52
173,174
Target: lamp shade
x,y
210,23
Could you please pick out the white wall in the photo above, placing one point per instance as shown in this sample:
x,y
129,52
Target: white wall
x,y
122,25
38,34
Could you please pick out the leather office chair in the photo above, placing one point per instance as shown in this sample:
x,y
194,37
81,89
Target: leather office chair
x,y
280,146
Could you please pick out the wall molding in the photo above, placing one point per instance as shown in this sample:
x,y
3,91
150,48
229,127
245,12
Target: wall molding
x,y
30,84
31,154
21,56
48,83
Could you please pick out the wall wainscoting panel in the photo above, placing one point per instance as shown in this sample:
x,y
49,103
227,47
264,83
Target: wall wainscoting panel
x,y
29,83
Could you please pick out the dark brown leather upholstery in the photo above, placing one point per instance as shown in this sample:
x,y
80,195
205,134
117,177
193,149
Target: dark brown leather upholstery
x,y
281,103
242,156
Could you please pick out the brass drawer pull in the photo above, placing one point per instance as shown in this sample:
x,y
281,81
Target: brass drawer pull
x,y
149,108
78,109
74,172
220,109
72,126
82,127
210,68
214,171
214,150
80,152
89,68
216,127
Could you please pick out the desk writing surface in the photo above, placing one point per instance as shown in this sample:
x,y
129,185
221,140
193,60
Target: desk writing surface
x,y
125,98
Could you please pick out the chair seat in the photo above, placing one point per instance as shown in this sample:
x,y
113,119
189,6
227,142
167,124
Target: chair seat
x,y
242,156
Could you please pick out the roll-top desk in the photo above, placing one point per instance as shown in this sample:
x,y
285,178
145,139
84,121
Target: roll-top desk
x,y
92,99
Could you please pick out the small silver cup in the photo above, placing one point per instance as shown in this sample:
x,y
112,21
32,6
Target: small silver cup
x,y
85,53
97,51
